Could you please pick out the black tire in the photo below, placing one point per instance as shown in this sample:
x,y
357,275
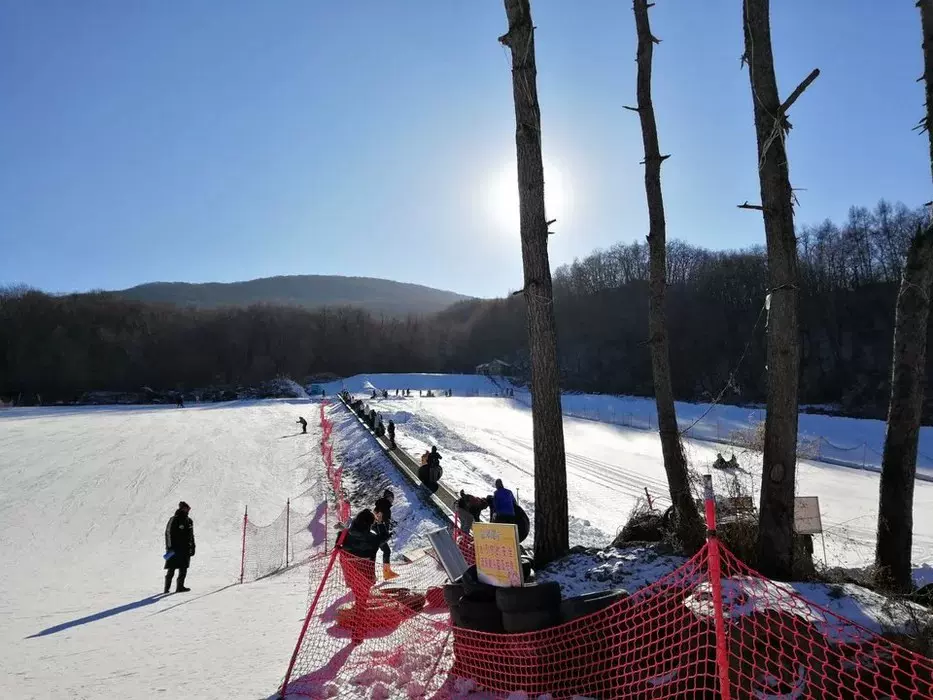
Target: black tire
x,y
587,604
453,592
523,523
455,616
534,597
518,622
480,616
474,589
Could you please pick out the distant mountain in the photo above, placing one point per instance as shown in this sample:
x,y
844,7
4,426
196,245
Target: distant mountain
x,y
309,291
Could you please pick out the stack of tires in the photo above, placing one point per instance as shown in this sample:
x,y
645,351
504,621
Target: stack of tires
x,y
473,604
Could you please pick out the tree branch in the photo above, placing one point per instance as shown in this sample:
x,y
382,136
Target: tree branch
x,y
789,102
756,207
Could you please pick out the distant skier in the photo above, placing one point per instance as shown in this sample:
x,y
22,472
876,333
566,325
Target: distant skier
x,y
383,527
391,432
503,504
303,423
179,401
179,547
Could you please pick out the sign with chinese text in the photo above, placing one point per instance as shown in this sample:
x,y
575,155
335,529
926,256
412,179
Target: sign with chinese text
x,y
498,561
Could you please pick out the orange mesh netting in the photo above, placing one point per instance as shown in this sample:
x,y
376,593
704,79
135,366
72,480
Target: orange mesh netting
x,y
712,628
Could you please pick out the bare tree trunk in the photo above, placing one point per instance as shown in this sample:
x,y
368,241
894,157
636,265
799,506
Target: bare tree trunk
x,y
776,523
899,464
908,364
689,528
551,518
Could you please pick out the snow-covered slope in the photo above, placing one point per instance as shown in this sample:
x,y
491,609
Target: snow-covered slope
x,y
609,466
86,494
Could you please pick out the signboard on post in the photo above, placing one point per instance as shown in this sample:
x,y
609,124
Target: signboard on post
x,y
498,561
807,515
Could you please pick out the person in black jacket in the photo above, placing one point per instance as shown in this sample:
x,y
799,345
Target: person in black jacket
x,y
179,547
391,432
303,423
383,527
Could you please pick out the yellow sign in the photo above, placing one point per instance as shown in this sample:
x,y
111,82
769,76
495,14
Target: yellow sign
x,y
497,556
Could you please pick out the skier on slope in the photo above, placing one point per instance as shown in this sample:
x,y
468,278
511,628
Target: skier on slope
x,y
179,547
303,423
383,527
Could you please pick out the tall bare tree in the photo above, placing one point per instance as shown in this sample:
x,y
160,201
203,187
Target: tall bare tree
x,y
908,365
689,528
776,523
551,518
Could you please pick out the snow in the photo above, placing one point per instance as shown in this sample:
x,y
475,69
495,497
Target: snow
x,y
86,496
628,568
87,492
461,384
609,466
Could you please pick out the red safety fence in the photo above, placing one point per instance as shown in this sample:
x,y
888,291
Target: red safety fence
x,y
713,628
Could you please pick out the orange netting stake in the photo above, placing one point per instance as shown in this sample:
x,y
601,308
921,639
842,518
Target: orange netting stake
x,y
712,543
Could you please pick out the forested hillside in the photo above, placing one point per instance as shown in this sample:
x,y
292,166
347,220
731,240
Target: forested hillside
x,y
306,291
61,346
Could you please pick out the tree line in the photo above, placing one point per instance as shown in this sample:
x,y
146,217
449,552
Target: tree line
x,y
62,346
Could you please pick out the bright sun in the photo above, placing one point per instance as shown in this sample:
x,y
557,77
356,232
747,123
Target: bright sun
x,y
502,197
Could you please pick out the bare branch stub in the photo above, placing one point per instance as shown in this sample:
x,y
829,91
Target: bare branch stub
x,y
756,207
789,102
631,109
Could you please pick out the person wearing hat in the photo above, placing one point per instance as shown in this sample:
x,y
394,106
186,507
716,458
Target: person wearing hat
x,y
383,527
179,547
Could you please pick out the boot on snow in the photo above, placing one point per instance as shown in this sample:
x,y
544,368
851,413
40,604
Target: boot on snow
x,y
182,589
387,573
168,582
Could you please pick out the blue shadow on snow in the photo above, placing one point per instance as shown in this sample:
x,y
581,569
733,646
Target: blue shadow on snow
x,y
99,616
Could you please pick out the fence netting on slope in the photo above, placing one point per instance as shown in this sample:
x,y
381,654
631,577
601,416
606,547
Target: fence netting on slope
x,y
365,637
297,533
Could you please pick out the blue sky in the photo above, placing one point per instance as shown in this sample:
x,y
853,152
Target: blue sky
x,y
222,140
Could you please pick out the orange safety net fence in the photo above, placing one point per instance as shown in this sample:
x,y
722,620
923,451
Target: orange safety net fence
x,y
713,628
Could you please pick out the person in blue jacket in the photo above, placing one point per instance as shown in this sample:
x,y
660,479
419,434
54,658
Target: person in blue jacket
x,y
503,504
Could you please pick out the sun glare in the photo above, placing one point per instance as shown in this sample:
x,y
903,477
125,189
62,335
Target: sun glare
x,y
502,197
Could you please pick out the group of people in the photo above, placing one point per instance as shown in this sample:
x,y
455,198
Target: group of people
x,y
502,505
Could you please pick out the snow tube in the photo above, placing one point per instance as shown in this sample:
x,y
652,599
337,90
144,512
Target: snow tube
x,y
524,524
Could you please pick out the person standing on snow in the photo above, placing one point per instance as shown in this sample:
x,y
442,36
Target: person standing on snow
x,y
303,423
503,504
383,527
179,547
392,434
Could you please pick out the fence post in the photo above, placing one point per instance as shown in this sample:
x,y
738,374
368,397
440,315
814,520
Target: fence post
x,y
712,544
243,545
288,514
650,503
304,629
